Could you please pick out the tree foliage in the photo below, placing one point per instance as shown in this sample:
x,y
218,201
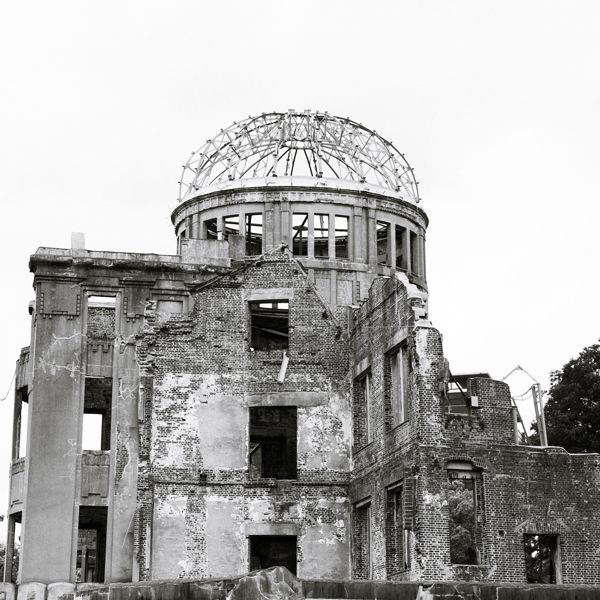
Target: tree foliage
x,y
573,408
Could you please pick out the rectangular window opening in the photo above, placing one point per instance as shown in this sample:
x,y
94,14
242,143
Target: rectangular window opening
x,y
254,234
321,228
300,234
383,236
231,226
363,561
20,423
341,236
397,383
465,511
397,535
269,322
210,229
363,433
97,413
272,551
542,564
12,553
273,442
414,257
401,262
91,544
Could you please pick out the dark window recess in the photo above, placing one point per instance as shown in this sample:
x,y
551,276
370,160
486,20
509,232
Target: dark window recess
x,y
361,410
20,423
414,259
300,234
401,262
269,321
210,229
465,508
254,234
397,534
13,548
96,413
91,544
273,444
361,533
541,558
273,551
341,237
383,236
321,229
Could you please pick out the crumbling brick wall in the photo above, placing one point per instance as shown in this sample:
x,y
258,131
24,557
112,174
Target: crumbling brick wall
x,y
199,377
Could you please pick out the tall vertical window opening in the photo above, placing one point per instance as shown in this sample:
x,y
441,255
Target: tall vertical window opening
x,y
363,433
401,262
465,511
397,555
383,236
97,413
414,253
341,236
231,226
321,228
300,234
12,552
210,229
20,423
362,557
542,564
91,544
397,387
273,442
254,234
269,324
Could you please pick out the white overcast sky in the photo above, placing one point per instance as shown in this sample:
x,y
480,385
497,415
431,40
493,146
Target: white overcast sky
x,y
496,105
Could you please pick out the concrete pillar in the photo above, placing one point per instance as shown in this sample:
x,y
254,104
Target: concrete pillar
x,y
372,236
285,223
54,439
358,247
392,245
311,234
406,249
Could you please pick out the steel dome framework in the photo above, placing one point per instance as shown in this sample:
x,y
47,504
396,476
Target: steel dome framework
x,y
304,144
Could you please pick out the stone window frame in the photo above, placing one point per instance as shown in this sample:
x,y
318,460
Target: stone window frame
x,y
362,409
397,410
366,548
468,469
268,295
397,534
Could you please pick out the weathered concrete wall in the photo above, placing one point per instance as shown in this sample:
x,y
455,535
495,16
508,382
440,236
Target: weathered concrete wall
x,y
204,378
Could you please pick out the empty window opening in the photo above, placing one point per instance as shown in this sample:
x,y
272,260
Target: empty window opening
x,y
341,237
12,553
273,443
210,229
97,413
363,433
465,510
254,234
321,228
273,551
542,558
300,234
231,226
362,558
401,262
397,395
269,322
383,237
101,317
414,253
20,423
91,544
397,556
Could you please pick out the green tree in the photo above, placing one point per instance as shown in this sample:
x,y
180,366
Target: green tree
x,y
573,408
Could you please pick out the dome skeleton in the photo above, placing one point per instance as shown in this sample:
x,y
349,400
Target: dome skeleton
x,y
295,144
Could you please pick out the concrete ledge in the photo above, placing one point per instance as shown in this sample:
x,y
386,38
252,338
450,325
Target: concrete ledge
x,y
270,529
287,399
32,591
58,591
7,591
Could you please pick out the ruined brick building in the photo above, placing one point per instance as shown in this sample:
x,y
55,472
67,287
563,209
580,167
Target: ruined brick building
x,y
275,393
